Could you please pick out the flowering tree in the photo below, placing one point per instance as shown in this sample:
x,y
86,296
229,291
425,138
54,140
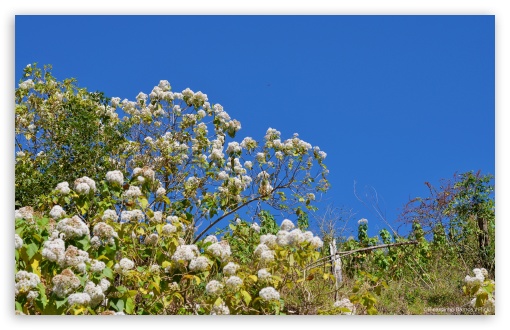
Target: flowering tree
x,y
145,190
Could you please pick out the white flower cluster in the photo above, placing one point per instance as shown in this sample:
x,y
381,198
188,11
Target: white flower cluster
x,y
96,292
27,84
84,185
168,229
25,212
63,188
199,264
217,149
57,212
230,268
110,215
65,283
214,287
234,283
263,274
54,250
157,217
73,227
25,282
287,225
185,253
255,227
132,192
115,177
269,294
345,303
249,143
146,173
160,192
362,221
233,148
131,216
220,250
210,239
74,257
97,266
478,279
18,242
220,309
123,266
105,233
151,239
79,299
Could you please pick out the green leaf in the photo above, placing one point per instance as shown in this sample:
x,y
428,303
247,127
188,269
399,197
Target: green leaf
x,y
32,249
130,306
246,297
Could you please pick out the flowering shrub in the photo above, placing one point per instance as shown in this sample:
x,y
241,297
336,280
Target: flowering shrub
x,y
481,289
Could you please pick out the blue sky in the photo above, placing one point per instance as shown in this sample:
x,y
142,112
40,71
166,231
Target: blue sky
x,y
394,100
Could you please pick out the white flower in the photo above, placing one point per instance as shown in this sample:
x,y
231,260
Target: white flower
x,y
105,232
54,250
26,213
269,240
248,164
234,282
222,176
95,292
132,192
269,294
63,188
287,225
154,269
25,281
283,238
296,236
362,221
81,299
73,227
263,274
160,192
97,266
115,177
76,258
157,217
57,212
152,239
255,227
32,295
260,248
267,256
18,242
65,283
124,266
220,309
110,215
84,185
220,250
345,303
27,84
199,264
214,287
230,268
131,216
168,229
105,284
185,253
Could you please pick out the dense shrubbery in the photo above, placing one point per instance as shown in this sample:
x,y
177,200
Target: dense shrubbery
x,y
115,216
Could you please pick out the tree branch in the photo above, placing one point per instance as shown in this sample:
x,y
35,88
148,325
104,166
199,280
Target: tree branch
x,y
346,253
